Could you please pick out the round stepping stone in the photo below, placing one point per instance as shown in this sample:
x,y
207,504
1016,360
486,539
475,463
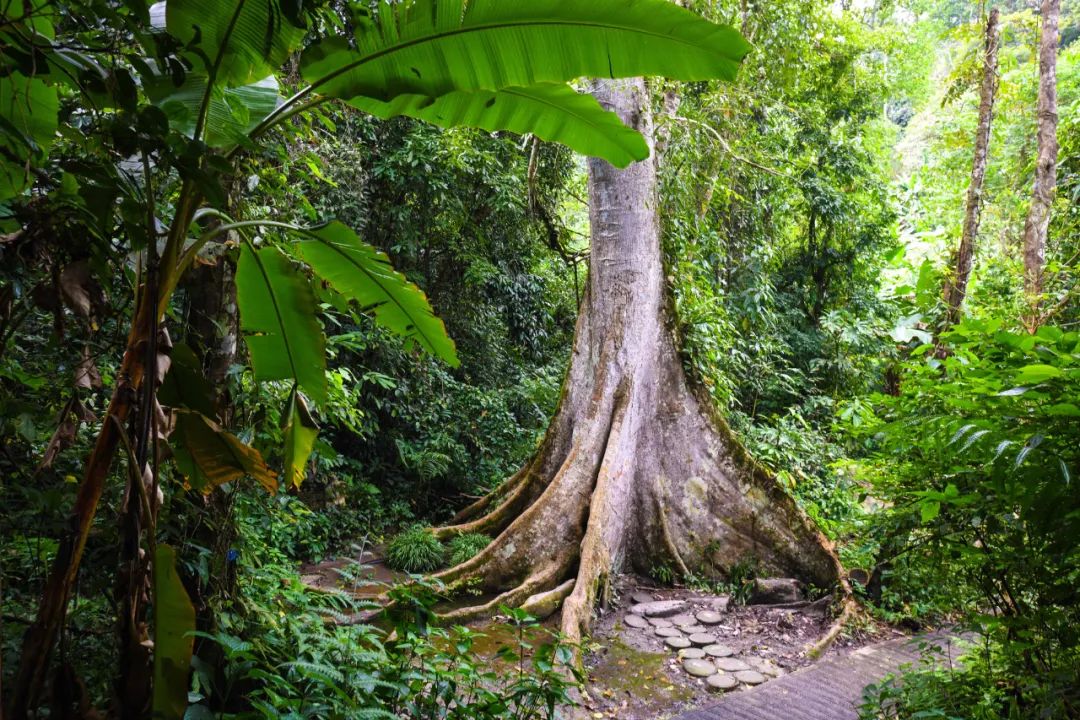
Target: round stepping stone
x,y
667,632
635,621
708,617
718,651
750,677
692,653
698,668
659,608
659,622
730,664
641,597
721,681
677,643
764,666
691,629
702,639
683,619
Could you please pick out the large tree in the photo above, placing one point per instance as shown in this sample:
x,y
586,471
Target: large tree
x,y
637,469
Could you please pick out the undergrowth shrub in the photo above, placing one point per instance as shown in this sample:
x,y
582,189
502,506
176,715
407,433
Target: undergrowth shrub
x,y
279,651
415,550
465,547
975,463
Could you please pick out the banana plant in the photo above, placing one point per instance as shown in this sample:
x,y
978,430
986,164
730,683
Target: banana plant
x,y
490,64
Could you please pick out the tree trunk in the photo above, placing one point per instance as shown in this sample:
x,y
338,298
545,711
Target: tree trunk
x,y
956,286
637,470
1042,196
213,320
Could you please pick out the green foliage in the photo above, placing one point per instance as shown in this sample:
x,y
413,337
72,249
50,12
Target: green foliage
x,y
363,275
551,112
277,315
971,686
273,650
977,458
415,550
662,573
172,637
434,49
465,547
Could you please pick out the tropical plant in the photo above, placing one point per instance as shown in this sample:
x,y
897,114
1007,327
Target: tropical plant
x,y
979,453
195,88
415,550
466,547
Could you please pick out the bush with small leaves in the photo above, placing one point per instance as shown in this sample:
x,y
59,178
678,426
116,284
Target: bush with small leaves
x,y
415,550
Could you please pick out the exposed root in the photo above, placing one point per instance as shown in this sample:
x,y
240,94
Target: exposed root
x,y
516,493
544,604
605,527
480,507
665,533
534,584
847,613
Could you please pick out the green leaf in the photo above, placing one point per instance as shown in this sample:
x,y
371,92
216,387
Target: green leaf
x,y
207,456
1037,373
233,111
184,385
361,273
28,122
552,112
300,433
435,47
174,621
277,316
1063,410
929,510
246,39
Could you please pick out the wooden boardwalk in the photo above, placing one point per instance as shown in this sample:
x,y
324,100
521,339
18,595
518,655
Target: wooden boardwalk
x,y
831,689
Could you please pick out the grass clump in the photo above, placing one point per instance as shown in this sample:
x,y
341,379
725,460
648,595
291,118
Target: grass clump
x,y
415,550
466,547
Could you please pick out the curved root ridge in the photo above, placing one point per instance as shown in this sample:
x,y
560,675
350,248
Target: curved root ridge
x,y
534,584
516,489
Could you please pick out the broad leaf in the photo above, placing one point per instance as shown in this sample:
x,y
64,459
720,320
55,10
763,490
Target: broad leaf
x,y
435,47
300,433
361,273
28,122
245,39
233,111
277,316
550,111
184,385
174,623
208,456
1037,373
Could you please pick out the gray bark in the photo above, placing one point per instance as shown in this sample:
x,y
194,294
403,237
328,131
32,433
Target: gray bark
x,y
956,286
1042,196
637,469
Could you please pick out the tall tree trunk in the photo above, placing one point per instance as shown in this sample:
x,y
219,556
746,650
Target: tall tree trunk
x,y
637,469
1042,196
956,286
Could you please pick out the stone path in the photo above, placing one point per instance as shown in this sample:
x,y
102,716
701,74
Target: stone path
x,y
828,690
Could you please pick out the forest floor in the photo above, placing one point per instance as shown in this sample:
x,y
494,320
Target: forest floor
x,y
637,667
